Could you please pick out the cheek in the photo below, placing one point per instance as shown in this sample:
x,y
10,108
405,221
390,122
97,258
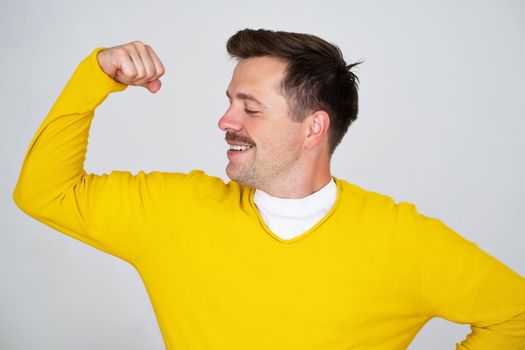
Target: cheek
x,y
288,141
293,135
275,139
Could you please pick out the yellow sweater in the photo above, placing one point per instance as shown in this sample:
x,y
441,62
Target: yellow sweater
x,y
367,276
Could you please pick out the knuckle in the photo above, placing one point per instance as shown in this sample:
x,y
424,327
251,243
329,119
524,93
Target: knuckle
x,y
127,47
121,53
150,72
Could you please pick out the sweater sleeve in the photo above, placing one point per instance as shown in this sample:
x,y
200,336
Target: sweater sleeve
x,y
116,213
463,284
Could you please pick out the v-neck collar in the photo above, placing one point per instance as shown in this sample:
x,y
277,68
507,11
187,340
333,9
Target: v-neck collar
x,y
304,235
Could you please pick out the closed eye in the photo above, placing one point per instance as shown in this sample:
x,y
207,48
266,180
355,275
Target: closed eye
x,y
250,111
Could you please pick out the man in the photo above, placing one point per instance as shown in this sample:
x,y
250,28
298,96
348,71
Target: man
x,y
285,256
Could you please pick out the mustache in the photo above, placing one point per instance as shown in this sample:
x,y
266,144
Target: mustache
x,y
239,138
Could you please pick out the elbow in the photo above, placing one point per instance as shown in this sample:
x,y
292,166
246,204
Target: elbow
x,y
19,198
24,200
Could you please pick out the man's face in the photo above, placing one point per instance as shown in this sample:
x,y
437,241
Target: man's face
x,y
265,144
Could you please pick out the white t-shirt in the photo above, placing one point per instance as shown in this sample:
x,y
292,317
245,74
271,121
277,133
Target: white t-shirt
x,y
289,218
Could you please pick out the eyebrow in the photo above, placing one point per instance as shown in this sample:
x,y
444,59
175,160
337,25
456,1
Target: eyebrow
x,y
243,96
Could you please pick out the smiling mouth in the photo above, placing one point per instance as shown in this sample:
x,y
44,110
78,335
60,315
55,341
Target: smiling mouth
x,y
240,148
238,143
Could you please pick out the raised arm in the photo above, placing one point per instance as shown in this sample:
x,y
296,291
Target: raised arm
x,y
111,212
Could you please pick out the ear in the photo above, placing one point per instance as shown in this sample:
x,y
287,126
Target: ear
x,y
317,129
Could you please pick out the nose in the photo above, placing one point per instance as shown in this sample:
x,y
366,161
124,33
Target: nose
x,y
230,121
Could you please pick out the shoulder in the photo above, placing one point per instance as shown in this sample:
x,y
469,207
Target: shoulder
x,y
371,201
202,187
195,190
379,220
379,210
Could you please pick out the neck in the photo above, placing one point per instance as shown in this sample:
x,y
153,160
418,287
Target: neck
x,y
300,182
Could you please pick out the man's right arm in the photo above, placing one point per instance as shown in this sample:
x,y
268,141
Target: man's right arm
x,y
110,212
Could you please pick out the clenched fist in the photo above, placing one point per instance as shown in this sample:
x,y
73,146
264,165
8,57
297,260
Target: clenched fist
x,y
132,64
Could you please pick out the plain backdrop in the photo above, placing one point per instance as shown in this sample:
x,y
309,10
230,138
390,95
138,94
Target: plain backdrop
x,y
441,125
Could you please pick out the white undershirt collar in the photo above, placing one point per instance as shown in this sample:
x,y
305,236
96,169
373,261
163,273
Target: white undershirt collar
x,y
289,218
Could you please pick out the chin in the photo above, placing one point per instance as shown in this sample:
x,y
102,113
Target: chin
x,y
230,173
233,175
240,177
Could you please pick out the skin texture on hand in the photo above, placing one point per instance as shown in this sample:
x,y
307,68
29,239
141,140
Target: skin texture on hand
x,y
134,63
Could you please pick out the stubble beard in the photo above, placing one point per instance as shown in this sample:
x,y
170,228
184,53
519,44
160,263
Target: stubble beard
x,y
263,176
265,172
246,175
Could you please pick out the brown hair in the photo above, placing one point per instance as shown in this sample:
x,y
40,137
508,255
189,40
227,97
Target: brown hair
x,y
317,75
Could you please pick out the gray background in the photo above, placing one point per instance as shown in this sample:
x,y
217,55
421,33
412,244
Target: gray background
x,y
441,125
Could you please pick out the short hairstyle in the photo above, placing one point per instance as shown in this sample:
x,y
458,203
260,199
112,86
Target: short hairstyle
x,y
317,77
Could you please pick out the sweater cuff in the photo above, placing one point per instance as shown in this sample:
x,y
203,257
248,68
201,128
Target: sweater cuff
x,y
86,89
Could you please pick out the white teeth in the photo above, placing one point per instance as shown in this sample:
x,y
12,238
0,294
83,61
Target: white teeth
x,y
239,148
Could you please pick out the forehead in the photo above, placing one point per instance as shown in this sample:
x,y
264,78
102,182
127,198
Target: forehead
x,y
257,75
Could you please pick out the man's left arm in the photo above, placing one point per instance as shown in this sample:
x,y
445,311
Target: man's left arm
x,y
463,284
